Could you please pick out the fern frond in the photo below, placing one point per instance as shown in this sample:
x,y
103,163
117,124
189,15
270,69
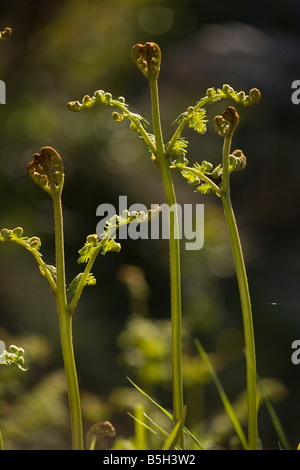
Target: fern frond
x,y
178,152
204,188
195,118
191,178
5,34
197,121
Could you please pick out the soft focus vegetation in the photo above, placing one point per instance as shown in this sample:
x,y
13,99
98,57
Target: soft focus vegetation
x,y
61,50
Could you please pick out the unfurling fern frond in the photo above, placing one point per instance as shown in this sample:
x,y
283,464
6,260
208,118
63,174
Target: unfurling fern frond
x,y
205,167
5,34
178,152
32,244
95,245
195,118
217,172
240,97
237,161
106,240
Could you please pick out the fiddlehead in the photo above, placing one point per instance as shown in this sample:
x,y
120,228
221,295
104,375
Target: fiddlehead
x,y
46,170
5,34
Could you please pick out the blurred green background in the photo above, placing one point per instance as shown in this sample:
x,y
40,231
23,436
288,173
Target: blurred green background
x,y
58,52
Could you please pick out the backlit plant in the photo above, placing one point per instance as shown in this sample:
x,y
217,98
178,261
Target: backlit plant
x,y
46,170
173,156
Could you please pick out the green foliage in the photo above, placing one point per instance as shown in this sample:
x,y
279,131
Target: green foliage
x,y
169,415
204,188
92,248
178,153
171,442
101,97
90,281
13,357
46,170
194,118
33,245
137,122
15,235
106,242
227,406
228,92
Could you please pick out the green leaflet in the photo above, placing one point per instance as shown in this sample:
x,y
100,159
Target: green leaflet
x,y
107,242
103,246
178,152
90,281
204,188
52,270
195,118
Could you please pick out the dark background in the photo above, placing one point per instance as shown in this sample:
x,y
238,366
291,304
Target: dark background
x,y
61,50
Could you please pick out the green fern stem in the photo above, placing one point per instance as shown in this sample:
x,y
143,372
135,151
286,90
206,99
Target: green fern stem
x,y
83,280
65,323
244,298
174,252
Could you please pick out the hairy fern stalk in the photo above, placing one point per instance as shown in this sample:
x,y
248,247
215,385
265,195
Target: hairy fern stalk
x,y
173,156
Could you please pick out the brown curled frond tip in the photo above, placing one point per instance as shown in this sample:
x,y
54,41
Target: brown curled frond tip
x,y
5,34
147,58
46,170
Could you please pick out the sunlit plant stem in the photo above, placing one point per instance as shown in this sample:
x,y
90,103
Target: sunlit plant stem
x,y
171,156
46,169
243,288
174,250
65,324
147,58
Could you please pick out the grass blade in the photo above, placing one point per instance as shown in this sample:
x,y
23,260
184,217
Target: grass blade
x,y
228,408
167,413
141,423
274,418
151,399
170,443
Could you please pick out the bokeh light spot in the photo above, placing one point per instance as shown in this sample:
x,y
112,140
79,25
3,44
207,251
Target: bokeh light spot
x,y
156,20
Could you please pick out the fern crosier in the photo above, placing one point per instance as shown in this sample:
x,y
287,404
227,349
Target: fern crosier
x,y
5,34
